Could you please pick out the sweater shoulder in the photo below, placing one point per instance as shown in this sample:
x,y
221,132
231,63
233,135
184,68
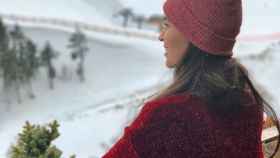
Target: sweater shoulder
x,y
174,102
177,107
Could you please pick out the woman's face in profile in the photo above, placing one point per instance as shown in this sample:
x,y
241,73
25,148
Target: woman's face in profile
x,y
175,43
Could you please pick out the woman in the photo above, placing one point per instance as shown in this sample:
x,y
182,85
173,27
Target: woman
x,y
211,110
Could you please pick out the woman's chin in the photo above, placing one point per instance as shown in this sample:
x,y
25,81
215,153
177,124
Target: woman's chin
x,y
168,65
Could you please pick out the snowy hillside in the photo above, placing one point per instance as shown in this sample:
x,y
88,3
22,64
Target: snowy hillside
x,y
112,72
116,68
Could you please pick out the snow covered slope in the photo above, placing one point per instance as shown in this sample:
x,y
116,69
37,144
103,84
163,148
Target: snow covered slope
x,y
112,72
115,67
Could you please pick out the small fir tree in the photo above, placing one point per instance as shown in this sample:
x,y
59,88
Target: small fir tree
x,y
35,141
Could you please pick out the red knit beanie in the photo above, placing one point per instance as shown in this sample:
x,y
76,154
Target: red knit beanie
x,y
211,25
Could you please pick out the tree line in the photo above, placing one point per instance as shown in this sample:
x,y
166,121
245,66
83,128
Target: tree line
x,y
20,60
128,14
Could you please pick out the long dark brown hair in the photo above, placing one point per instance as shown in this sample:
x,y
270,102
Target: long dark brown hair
x,y
218,79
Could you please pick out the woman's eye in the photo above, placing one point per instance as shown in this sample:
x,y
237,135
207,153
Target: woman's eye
x,y
164,24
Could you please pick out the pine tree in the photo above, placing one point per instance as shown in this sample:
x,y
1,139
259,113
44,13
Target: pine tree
x,y
33,61
35,141
4,43
18,61
10,74
78,45
18,44
30,65
48,54
8,62
4,38
18,41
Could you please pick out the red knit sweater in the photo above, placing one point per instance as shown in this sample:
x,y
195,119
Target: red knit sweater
x,y
181,127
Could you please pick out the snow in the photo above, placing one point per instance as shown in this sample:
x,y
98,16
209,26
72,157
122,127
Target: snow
x,y
264,70
120,71
115,71
112,71
261,16
77,10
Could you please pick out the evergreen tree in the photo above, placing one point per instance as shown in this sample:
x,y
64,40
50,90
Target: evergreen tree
x,y
31,55
9,66
18,41
4,38
17,60
4,41
48,54
35,141
8,61
30,65
79,47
